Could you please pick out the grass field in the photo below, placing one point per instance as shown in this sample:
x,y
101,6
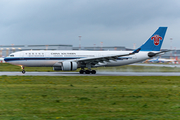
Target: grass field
x,y
87,98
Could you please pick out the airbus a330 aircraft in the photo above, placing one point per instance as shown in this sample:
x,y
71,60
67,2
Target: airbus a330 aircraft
x,y
162,60
72,60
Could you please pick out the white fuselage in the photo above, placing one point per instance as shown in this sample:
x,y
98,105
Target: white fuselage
x,y
51,58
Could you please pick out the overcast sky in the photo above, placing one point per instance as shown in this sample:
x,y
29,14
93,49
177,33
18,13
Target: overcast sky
x,y
113,22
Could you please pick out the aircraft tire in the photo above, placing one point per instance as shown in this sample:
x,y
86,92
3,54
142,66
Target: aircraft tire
x,y
81,71
87,72
93,72
23,72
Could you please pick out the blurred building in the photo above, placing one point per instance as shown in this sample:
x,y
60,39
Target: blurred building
x,y
5,50
107,48
174,54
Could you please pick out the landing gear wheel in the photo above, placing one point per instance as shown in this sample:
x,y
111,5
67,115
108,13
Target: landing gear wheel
x,y
23,71
81,71
93,72
87,72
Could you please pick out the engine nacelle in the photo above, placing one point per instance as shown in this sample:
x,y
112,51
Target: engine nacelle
x,y
69,66
57,68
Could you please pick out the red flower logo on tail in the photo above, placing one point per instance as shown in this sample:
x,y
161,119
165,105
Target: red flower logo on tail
x,y
156,39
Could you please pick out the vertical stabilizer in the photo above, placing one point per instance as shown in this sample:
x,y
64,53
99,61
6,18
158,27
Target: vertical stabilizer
x,y
154,43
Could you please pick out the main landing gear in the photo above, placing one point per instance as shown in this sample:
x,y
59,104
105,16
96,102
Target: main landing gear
x,y
23,71
87,71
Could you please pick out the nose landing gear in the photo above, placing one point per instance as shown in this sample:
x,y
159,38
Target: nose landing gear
x,y
23,71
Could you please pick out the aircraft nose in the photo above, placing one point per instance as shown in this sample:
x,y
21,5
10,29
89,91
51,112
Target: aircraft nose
x,y
6,59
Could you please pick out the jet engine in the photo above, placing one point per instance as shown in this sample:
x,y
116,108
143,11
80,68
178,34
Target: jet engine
x,y
69,66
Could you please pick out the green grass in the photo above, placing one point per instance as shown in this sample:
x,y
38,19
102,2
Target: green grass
x,y
126,68
93,97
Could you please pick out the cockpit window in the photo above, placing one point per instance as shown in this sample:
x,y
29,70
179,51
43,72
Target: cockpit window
x,y
11,55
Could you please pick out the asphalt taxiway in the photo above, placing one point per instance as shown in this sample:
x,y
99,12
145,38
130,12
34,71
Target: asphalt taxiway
x,y
97,74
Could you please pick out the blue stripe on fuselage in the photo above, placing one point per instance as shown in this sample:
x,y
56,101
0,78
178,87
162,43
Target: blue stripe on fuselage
x,y
8,59
37,58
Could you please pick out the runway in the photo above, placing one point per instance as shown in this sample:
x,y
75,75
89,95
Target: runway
x,y
98,74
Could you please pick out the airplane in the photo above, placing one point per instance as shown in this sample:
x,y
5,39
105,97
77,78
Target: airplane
x,y
154,60
85,60
162,60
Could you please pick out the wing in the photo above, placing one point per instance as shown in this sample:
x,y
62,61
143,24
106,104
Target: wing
x,y
94,60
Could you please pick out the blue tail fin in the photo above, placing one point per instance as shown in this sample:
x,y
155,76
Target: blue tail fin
x,y
154,43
